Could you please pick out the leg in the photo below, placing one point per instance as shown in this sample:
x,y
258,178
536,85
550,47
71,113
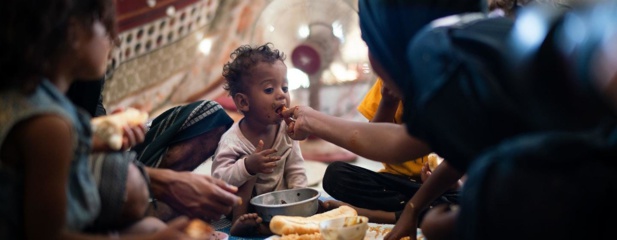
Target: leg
x,y
145,225
364,188
440,222
189,154
244,223
136,197
122,189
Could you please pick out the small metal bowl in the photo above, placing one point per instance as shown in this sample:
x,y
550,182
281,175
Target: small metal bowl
x,y
301,202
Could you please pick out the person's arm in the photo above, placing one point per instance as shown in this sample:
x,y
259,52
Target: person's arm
x,y
45,146
387,141
386,110
193,194
439,182
229,166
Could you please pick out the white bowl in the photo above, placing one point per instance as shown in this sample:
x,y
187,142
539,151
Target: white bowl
x,y
345,228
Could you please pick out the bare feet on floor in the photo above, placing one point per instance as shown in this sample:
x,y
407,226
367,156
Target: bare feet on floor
x,y
246,224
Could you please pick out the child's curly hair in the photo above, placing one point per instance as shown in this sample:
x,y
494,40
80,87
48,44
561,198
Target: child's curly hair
x,y
35,31
243,59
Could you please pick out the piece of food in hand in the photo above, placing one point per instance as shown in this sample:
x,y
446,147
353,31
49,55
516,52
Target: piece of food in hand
x,y
288,120
285,225
199,229
433,161
110,128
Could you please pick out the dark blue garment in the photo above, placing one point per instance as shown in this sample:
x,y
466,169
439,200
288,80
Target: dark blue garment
x,y
178,124
469,99
82,198
462,105
552,185
387,26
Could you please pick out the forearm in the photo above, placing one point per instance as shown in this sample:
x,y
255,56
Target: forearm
x,y
234,172
387,141
385,112
159,181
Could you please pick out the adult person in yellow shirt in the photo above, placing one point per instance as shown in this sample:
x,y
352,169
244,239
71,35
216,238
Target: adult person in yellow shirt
x,y
380,196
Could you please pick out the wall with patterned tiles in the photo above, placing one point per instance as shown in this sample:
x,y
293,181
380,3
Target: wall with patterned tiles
x,y
172,51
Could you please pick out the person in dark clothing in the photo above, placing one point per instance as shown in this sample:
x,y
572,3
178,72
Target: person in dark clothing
x,y
88,96
462,94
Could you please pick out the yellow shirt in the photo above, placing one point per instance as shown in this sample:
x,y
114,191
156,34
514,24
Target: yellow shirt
x,y
368,108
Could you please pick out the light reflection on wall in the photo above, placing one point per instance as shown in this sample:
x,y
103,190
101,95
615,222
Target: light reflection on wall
x,y
205,46
297,79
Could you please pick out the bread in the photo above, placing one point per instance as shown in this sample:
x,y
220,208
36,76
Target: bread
x,y
433,161
312,236
110,128
199,229
288,120
284,225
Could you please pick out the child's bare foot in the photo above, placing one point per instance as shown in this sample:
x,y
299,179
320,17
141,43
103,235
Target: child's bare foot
x,y
246,225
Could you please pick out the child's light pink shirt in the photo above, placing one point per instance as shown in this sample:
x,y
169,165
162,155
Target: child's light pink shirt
x,y
234,148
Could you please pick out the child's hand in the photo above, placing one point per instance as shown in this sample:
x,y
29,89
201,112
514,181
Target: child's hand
x,y
425,172
260,161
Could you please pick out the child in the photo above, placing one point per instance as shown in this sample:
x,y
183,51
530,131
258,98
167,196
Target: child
x,y
48,192
256,153
343,181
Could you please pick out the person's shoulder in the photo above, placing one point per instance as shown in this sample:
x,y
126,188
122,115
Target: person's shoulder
x,y
46,130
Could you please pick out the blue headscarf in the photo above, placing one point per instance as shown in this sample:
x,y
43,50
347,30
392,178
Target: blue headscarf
x,y
388,26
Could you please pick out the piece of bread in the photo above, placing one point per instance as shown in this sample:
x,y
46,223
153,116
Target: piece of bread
x,y
312,236
433,161
280,111
110,128
284,225
199,229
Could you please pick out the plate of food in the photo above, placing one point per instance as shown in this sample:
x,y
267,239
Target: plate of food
x,y
198,229
378,231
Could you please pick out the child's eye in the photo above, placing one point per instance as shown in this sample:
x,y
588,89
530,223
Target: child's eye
x,y
285,89
269,90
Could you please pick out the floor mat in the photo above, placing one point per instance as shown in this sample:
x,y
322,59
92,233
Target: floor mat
x,y
224,225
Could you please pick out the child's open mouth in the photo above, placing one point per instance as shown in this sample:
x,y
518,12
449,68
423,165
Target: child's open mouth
x,y
280,110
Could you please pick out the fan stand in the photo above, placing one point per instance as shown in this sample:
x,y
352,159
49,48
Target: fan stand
x,y
312,57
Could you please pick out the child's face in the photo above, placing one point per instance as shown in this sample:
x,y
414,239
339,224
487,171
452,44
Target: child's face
x,y
92,51
267,91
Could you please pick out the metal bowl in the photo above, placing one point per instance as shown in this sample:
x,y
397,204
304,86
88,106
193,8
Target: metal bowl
x,y
301,202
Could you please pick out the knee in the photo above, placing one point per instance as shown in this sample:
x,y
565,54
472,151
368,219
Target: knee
x,y
145,225
136,196
333,171
439,223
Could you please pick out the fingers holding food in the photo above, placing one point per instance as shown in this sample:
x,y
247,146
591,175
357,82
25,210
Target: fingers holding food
x,y
287,118
433,161
111,128
198,229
